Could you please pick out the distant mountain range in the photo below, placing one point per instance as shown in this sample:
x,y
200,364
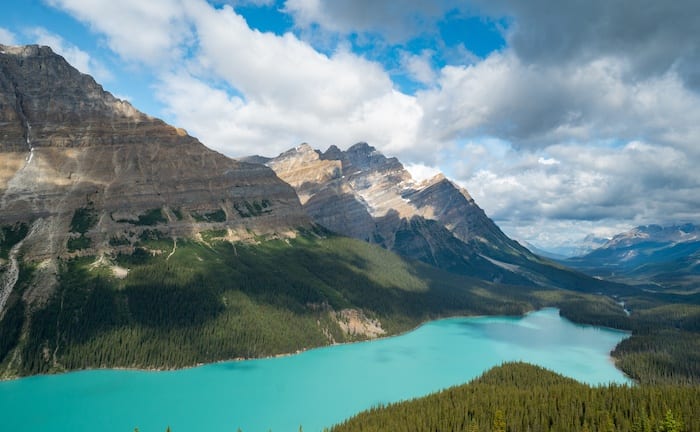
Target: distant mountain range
x,y
665,255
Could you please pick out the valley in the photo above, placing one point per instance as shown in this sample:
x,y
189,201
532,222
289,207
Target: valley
x,y
125,243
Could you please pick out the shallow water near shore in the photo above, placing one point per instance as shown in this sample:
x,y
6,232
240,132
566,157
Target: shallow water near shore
x,y
316,388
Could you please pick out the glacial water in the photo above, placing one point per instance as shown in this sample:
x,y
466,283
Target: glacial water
x,y
314,389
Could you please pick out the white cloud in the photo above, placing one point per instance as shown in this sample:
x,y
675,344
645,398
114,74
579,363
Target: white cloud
x,y
7,37
78,58
592,186
283,69
240,127
538,105
152,32
547,161
419,67
421,172
393,19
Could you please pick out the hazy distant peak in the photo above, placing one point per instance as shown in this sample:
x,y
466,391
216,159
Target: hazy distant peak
x,y
654,233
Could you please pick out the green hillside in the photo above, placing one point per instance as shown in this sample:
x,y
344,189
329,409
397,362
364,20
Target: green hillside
x,y
522,397
175,303
189,302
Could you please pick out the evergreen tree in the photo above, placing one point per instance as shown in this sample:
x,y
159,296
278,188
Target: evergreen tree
x,y
670,423
499,421
473,426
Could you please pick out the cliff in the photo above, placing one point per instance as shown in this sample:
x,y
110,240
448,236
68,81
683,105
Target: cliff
x,y
89,174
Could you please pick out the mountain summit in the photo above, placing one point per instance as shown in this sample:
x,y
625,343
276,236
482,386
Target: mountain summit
x,y
363,194
375,187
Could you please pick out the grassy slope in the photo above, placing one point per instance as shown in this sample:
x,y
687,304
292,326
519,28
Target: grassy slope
x,y
526,397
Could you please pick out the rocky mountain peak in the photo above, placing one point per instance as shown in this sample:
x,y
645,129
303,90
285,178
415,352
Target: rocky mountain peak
x,y
363,158
654,233
71,152
332,153
361,193
40,90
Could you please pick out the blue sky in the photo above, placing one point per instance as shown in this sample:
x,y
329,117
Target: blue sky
x,y
561,118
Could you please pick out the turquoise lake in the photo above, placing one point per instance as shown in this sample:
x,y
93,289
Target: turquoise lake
x,y
315,389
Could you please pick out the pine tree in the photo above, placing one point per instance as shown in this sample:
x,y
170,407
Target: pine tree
x,y
642,423
499,421
670,423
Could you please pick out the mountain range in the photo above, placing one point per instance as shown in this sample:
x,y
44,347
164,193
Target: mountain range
x,y
126,242
668,256
363,194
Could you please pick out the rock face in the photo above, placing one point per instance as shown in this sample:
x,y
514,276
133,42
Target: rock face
x,y
76,162
363,194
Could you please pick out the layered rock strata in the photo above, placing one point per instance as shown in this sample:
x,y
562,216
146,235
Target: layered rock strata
x,y
78,163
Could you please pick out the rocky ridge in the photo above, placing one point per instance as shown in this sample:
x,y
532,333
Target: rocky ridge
x,y
89,174
363,194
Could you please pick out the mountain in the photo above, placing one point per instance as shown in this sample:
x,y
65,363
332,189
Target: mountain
x,y
125,242
363,194
665,255
89,174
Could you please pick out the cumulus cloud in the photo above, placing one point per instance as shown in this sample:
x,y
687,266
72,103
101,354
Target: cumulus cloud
x,y
655,37
282,69
239,127
144,31
419,66
7,37
394,20
538,105
637,183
